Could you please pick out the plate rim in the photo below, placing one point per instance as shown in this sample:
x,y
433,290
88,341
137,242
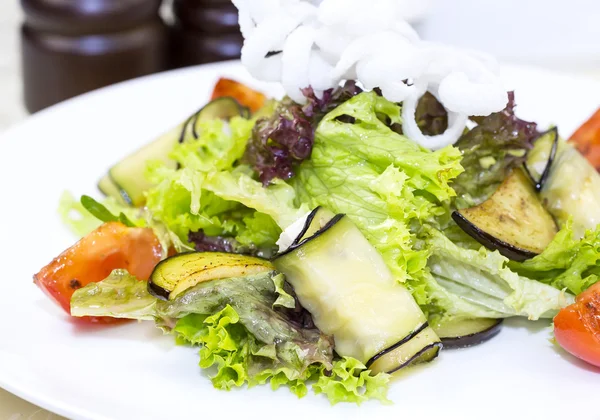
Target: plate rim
x,y
11,383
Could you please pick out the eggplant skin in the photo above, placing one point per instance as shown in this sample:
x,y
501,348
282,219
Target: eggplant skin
x,y
490,242
158,292
183,271
541,182
404,340
472,339
513,220
223,108
426,354
298,242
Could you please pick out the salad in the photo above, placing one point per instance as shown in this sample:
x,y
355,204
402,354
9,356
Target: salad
x,y
388,207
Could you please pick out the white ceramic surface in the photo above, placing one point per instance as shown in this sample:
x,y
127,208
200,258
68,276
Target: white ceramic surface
x,y
133,372
551,33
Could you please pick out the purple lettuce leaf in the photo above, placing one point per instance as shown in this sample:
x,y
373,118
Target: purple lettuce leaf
x,y
494,147
282,142
206,243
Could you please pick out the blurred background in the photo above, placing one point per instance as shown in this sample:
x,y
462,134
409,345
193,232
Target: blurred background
x,y
51,50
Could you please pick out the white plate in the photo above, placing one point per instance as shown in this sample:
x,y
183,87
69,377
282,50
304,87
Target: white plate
x,y
133,372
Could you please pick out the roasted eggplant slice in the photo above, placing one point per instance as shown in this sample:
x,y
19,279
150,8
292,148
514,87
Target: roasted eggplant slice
x,y
572,190
512,221
127,176
180,272
542,157
315,221
223,108
245,95
419,346
304,227
341,279
467,332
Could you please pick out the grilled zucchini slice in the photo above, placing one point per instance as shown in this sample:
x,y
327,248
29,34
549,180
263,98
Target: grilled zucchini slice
x,y
128,175
174,275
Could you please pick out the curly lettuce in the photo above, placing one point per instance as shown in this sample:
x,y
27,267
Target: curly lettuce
x,y
349,381
213,198
238,358
248,330
76,214
567,263
386,183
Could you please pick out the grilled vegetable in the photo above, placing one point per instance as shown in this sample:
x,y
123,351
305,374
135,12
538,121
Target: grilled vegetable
x,y
109,189
344,283
512,221
587,140
467,332
577,327
543,155
245,95
180,272
422,345
128,177
93,258
572,189
315,221
220,108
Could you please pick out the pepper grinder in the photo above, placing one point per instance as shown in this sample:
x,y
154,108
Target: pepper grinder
x,y
74,46
204,31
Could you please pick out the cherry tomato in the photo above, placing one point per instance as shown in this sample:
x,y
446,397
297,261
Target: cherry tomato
x,y
243,94
577,327
111,246
587,139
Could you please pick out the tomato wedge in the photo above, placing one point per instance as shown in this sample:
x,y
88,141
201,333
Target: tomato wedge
x,y
243,94
113,245
587,139
577,327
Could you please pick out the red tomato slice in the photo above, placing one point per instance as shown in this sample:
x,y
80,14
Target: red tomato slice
x,y
94,257
587,139
577,327
243,94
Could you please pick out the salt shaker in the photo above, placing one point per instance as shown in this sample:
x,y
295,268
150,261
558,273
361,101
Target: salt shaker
x,y
204,31
73,46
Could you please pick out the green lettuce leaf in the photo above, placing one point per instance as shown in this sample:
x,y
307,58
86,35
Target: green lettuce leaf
x,y
210,193
73,215
120,295
245,336
238,357
567,263
386,183
466,283
80,221
349,381
219,146
276,200
100,212
243,312
253,298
